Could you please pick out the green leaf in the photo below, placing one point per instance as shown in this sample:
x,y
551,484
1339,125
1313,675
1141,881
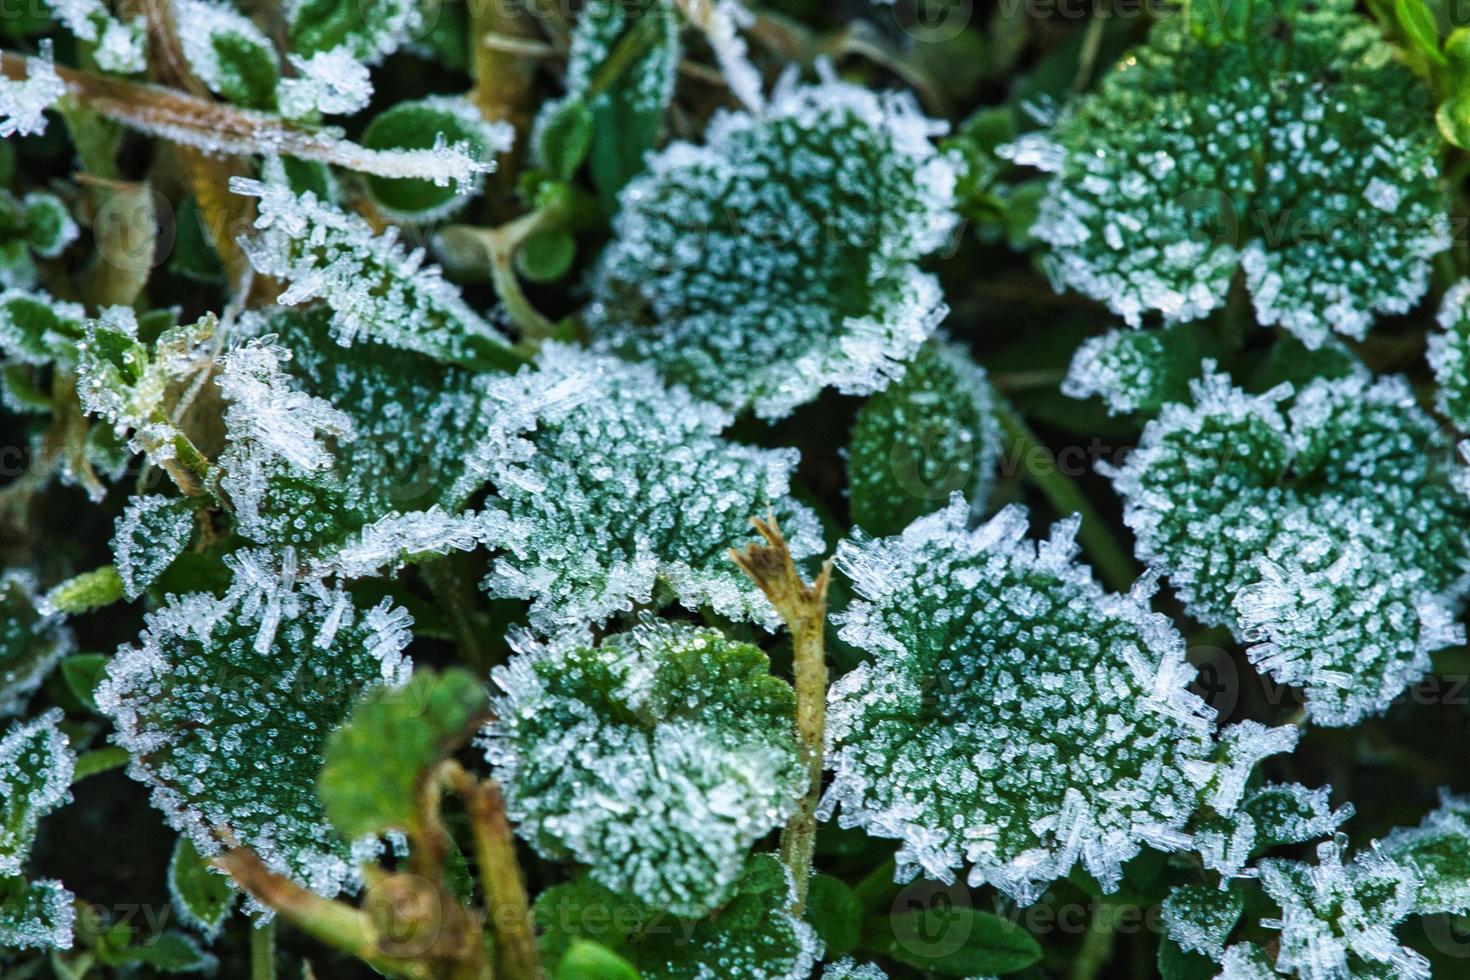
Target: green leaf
x,y
833,909
82,672
35,914
547,255
99,760
378,759
169,952
593,961
86,592
202,897
418,125
953,940
1200,917
1418,23
1177,964
36,764
565,137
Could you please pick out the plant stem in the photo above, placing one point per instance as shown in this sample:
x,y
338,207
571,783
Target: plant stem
x,y
509,905
263,950
502,89
803,608
1097,945
1114,566
499,246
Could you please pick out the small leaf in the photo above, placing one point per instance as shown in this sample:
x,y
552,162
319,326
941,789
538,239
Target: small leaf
x,y
1200,917
954,940
565,137
82,672
86,592
169,952
201,896
546,256
592,961
419,125
35,914
377,760
833,909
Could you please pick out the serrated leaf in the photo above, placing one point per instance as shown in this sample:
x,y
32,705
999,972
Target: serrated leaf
x,y
953,940
377,761
202,896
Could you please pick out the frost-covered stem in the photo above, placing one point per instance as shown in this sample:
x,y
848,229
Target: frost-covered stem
x,y
263,950
502,89
803,608
218,129
335,923
1097,945
509,905
1114,567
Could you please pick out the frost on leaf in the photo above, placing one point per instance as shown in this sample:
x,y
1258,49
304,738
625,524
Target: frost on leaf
x,y
31,642
329,82
1268,816
657,757
202,895
753,937
625,115
37,224
151,532
36,765
1337,920
38,329
375,289
369,30
849,969
273,673
1325,533
781,257
1289,156
1139,370
420,124
228,53
1438,851
929,434
24,101
119,44
609,483
1200,917
1014,716
1449,355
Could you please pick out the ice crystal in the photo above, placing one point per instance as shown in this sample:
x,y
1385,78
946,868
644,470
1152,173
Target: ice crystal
x,y
927,435
1268,816
849,969
227,52
1438,851
36,225
369,30
657,757
1449,355
36,914
421,124
274,669
1326,533
31,641
607,482
781,257
1200,917
375,289
120,44
1337,920
1015,716
754,936
151,532
329,82
24,101
38,329
1289,156
1138,370
36,764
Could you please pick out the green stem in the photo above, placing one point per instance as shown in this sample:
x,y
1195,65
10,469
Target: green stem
x,y
263,950
499,246
1114,566
1097,945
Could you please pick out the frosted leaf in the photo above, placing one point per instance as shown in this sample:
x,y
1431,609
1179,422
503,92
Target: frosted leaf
x,y
36,914
31,642
927,435
1139,370
1246,961
1337,920
753,937
369,29
607,483
1274,156
849,969
151,532
274,670
1014,716
264,407
49,225
24,101
123,382
332,83
227,52
375,289
1200,917
120,44
1438,851
657,757
36,764
780,257
1449,355
36,328
421,124
1327,534
201,894
1268,816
